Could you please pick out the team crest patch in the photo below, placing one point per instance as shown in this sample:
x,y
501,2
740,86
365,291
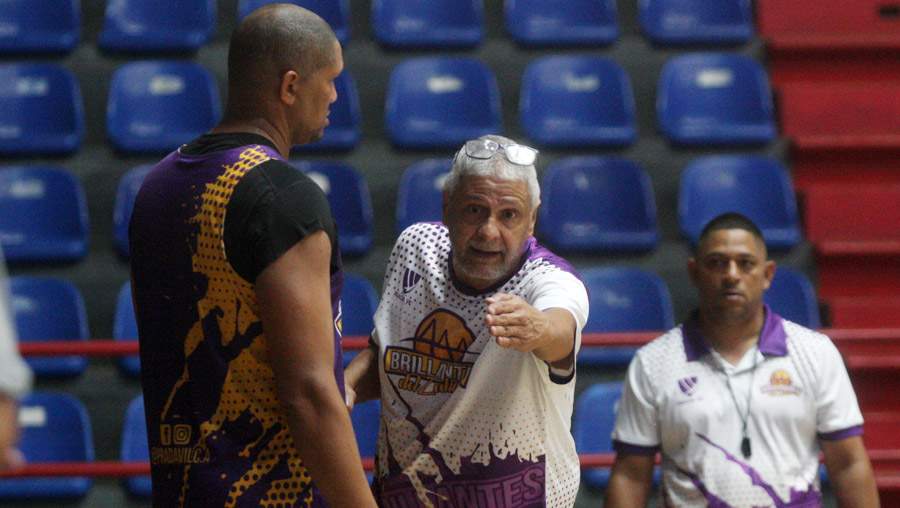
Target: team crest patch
x,y
435,363
780,383
688,385
410,279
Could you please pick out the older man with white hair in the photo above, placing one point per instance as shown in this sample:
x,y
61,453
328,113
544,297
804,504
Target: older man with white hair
x,y
473,351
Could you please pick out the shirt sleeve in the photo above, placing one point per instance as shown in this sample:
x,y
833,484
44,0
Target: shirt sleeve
x,y
562,290
15,376
837,410
637,423
271,209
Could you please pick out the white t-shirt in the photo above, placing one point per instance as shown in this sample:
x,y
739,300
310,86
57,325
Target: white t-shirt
x,y
464,421
676,400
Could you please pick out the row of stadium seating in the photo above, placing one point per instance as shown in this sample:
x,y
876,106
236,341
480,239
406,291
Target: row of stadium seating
x,y
43,213
186,25
57,428
622,300
432,102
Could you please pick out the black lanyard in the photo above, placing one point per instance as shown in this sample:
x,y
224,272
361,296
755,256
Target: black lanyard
x,y
746,449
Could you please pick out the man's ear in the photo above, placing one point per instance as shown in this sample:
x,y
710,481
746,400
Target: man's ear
x,y
445,204
692,269
769,272
287,91
534,214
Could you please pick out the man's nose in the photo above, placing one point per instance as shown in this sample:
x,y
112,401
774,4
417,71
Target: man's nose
x,y
488,229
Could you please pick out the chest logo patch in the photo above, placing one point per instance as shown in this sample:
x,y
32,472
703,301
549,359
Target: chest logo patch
x,y
688,385
780,383
431,362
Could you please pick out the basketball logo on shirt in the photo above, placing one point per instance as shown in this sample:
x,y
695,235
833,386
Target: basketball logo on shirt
x,y
434,364
780,383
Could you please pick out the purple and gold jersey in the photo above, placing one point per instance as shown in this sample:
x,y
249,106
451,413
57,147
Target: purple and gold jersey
x,y
216,431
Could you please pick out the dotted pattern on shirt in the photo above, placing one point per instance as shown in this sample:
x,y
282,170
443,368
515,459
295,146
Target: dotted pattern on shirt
x,y
500,420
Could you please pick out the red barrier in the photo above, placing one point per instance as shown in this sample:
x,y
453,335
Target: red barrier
x,y
104,347
112,469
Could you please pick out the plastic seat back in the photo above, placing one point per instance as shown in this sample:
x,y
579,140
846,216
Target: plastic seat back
x,y
792,296
135,448
441,102
592,426
43,214
350,201
562,22
623,300
674,22
335,12
155,106
432,24
125,329
342,132
41,110
39,26
714,98
139,26
756,187
577,101
50,309
420,194
598,203
54,428
126,192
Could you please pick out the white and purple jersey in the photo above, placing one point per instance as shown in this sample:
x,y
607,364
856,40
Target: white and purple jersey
x,y
464,421
677,401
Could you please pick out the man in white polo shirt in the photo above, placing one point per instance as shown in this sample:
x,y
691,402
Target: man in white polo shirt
x,y
738,400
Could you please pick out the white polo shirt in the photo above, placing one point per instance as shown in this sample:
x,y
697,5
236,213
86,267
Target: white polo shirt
x,y
676,400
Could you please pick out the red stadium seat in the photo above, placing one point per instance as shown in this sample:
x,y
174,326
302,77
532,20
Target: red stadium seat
x,y
855,232
818,40
865,312
876,380
880,430
860,220
844,167
858,116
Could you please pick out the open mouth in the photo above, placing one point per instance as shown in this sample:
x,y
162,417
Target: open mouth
x,y
484,253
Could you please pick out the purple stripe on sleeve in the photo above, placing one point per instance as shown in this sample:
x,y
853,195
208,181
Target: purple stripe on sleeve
x,y
837,435
633,449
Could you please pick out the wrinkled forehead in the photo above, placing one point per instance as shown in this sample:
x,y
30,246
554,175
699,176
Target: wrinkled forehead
x,y
493,189
732,242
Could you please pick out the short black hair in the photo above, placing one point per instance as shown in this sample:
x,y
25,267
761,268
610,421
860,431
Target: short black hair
x,y
730,220
270,41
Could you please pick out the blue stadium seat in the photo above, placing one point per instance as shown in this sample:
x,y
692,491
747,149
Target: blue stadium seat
x,y
714,98
39,26
674,22
420,194
623,300
351,203
792,296
139,26
562,22
431,24
335,12
598,204
54,428
125,329
592,426
441,102
135,448
342,132
155,106
366,418
577,101
129,185
50,309
41,110
358,304
43,214
757,187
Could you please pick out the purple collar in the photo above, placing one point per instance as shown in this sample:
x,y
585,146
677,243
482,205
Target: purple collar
x,y
772,339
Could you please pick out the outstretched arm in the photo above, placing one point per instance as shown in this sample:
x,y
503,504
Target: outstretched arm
x,y
515,324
